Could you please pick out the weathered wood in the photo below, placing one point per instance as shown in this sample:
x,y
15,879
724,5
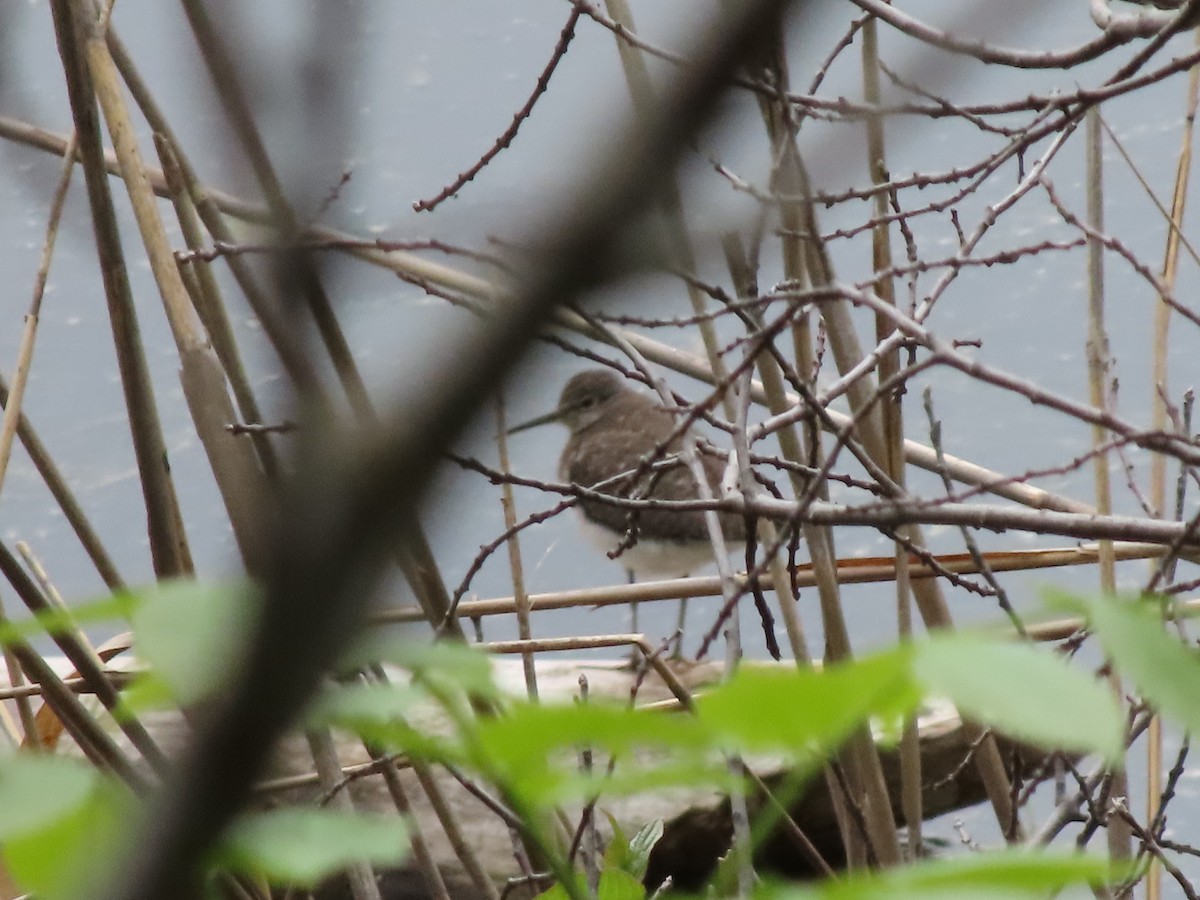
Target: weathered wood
x,y
698,824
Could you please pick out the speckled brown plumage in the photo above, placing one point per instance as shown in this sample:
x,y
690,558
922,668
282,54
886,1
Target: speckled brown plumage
x,y
613,430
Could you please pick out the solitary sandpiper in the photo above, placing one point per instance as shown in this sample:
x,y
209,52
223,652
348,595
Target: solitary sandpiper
x,y
615,430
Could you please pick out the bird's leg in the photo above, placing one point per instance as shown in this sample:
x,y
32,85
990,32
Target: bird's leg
x,y
677,653
631,578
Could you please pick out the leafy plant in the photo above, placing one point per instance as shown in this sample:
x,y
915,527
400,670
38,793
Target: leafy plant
x,y
52,807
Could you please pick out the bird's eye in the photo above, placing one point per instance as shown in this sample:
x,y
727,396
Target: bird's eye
x,y
587,402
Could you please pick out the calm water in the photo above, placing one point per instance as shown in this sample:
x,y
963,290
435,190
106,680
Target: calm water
x,y
432,84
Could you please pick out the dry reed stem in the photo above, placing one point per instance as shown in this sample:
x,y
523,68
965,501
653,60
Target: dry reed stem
x,y
1099,362
204,385
1116,141
892,421
84,659
12,403
185,327
168,542
461,846
234,463
93,741
641,90
425,861
423,270
598,642
414,556
1158,419
209,306
290,354
22,691
349,773
57,603
804,262
24,709
65,498
359,874
745,280
851,571
16,391
516,569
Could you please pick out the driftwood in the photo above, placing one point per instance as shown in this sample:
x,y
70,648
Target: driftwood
x,y
697,830
694,841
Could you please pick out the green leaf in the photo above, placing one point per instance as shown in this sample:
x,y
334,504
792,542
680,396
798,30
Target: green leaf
x,y
527,749
1027,693
617,851
772,708
520,741
55,620
563,783
191,633
1145,650
38,789
631,855
556,892
376,713
67,857
999,874
366,703
616,884
444,664
303,846
147,691
640,846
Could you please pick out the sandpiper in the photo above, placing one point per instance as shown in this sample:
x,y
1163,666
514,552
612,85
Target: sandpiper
x,y
613,430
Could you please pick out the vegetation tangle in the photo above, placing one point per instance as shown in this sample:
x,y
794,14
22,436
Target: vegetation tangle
x,y
839,254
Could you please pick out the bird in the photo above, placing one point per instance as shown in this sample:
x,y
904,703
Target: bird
x,y
614,429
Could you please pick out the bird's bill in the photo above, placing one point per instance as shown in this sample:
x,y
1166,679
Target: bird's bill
x,y
555,416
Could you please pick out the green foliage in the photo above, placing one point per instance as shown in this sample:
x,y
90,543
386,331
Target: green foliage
x,y
377,713
616,884
1143,649
1026,692
1001,874
632,855
56,815
623,865
444,666
62,820
55,620
191,635
303,845
804,711
37,790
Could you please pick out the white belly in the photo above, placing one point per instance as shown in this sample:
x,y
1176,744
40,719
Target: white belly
x,y
650,557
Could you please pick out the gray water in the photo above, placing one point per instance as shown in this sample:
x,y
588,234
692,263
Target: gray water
x,y
432,85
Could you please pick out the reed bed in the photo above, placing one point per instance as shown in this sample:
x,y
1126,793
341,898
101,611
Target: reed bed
x,y
823,355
